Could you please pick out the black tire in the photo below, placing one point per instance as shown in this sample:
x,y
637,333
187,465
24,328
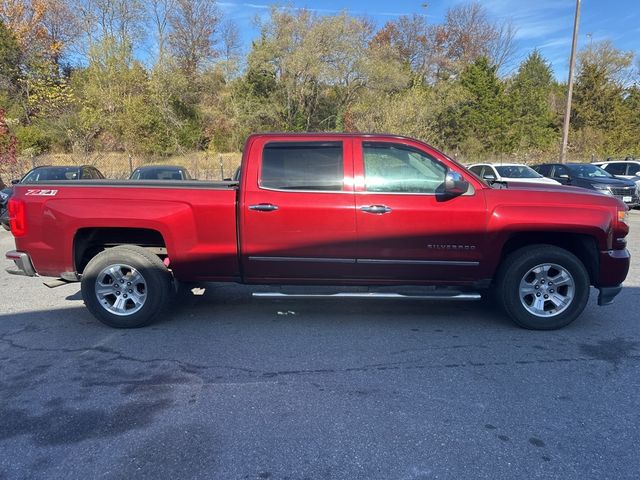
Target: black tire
x,y
514,269
156,280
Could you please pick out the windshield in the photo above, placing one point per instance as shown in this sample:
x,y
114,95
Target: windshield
x,y
158,174
517,171
589,171
51,173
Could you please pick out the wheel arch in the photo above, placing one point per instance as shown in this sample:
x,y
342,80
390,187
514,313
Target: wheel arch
x,y
90,241
583,246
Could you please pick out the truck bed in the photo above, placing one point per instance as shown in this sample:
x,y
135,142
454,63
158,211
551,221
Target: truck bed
x,y
196,221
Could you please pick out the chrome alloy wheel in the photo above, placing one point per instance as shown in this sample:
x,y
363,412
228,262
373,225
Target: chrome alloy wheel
x,y
121,289
547,290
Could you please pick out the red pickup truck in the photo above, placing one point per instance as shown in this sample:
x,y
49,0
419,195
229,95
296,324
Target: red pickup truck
x,y
371,215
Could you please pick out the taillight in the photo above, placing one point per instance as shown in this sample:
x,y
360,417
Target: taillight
x,y
17,217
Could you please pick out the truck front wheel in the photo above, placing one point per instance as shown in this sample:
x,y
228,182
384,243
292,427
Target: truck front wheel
x,y
126,286
543,287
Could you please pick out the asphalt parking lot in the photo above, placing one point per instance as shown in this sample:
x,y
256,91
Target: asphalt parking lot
x,y
232,387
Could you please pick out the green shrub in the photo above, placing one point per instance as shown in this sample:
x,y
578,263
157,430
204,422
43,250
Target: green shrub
x,y
33,139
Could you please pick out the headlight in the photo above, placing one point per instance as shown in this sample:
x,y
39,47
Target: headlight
x,y
623,216
603,189
3,196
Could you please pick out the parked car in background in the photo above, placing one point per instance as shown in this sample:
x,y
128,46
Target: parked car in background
x,y
590,176
509,172
160,172
5,193
629,169
47,173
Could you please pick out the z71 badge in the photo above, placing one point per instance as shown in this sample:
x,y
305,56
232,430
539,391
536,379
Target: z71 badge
x,y
42,193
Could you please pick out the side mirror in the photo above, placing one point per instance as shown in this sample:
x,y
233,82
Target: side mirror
x,y
489,177
455,184
15,182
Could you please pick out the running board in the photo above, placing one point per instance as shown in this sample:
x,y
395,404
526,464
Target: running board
x,y
435,296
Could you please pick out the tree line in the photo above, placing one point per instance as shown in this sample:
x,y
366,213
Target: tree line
x,y
160,77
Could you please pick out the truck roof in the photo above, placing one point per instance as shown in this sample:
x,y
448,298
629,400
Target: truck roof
x,y
303,135
330,134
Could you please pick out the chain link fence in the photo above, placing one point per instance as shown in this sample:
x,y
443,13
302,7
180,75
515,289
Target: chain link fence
x,y
208,165
116,165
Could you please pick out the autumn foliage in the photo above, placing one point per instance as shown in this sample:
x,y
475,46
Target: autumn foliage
x,y
160,77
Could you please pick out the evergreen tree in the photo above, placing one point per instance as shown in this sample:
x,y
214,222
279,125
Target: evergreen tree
x,y
479,123
631,114
533,125
598,115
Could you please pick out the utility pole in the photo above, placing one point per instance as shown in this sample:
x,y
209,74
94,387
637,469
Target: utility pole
x,y
572,63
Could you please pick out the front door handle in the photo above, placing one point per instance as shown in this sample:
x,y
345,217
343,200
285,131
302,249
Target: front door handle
x,y
263,207
376,209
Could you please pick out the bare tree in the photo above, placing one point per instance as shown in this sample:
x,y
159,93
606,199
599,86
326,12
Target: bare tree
x,y
615,63
230,38
408,37
118,20
467,34
193,25
502,48
433,50
61,26
159,12
230,48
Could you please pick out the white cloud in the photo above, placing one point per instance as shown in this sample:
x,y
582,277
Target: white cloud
x,y
533,20
555,42
264,6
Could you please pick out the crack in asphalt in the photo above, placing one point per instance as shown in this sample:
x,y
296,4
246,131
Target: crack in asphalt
x,y
201,370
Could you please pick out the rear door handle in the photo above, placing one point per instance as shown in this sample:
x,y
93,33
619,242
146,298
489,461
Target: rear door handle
x,y
376,209
263,207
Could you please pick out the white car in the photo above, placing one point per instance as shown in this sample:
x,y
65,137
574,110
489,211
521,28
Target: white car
x,y
510,172
629,169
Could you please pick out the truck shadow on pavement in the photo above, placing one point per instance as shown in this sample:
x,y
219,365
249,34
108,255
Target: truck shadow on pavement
x,y
222,302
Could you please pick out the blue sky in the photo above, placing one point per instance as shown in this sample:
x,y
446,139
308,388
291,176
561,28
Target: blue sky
x,y
543,24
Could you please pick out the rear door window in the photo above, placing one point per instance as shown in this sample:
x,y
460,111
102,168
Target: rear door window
x,y
561,171
544,170
616,168
303,166
490,173
477,169
634,169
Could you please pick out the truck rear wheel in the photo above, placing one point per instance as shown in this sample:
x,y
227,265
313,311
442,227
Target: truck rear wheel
x,y
543,287
126,286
